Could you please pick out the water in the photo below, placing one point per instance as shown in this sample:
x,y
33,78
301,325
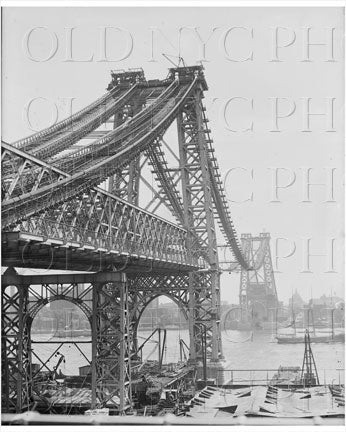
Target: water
x,y
239,350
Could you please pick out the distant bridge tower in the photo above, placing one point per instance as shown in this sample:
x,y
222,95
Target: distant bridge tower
x,y
257,294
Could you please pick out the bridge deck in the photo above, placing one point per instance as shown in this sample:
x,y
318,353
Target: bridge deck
x,y
20,249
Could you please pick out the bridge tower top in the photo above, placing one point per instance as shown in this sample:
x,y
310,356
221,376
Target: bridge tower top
x,y
261,236
131,76
187,74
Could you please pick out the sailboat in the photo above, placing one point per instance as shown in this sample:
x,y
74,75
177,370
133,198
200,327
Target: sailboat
x,y
326,338
69,331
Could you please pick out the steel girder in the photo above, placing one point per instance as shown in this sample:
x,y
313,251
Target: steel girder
x,y
257,286
204,288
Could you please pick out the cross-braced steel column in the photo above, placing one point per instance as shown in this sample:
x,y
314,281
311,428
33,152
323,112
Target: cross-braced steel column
x,y
125,182
15,344
204,287
111,345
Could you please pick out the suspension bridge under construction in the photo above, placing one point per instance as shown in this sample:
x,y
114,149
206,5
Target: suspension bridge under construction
x,y
67,206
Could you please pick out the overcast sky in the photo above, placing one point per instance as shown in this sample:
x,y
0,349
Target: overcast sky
x,y
241,62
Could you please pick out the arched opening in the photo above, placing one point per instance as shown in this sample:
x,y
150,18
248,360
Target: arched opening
x,y
168,315
61,337
60,318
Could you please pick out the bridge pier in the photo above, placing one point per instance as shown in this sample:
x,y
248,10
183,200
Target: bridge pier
x,y
103,297
113,304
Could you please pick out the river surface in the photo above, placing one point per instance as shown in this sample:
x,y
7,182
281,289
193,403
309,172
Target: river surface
x,y
240,352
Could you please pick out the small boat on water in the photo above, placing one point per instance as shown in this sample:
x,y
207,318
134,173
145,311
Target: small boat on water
x,y
294,339
66,333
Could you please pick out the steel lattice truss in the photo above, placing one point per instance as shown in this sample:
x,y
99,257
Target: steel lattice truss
x,y
69,206
103,222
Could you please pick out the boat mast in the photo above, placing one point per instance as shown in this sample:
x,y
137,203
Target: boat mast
x,y
332,312
293,317
312,311
313,321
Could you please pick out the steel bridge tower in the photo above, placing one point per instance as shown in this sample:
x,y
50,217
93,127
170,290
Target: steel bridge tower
x,y
257,293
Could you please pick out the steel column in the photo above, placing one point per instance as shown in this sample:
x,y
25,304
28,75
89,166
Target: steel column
x,y
125,182
204,296
112,357
15,333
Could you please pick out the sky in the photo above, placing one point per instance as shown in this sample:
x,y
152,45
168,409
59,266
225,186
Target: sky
x,y
262,77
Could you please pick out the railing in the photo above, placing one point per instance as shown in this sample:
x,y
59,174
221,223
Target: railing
x,y
253,377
